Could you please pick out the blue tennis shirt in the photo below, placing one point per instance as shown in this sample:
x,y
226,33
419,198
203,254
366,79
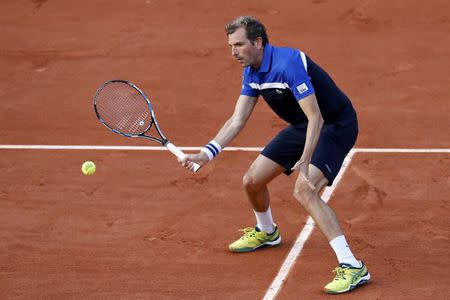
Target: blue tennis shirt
x,y
286,76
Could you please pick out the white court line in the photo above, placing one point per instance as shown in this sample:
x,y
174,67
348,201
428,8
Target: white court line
x,y
304,235
296,249
132,148
247,149
402,150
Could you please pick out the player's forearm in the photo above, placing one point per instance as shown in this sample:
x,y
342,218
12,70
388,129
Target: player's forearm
x,y
229,131
315,124
234,125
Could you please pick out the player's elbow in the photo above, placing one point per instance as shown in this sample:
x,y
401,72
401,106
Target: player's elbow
x,y
320,120
317,119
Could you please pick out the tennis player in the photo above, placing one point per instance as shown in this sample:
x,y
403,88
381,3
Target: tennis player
x,y
322,128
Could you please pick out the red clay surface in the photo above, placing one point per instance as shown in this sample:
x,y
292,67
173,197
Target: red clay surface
x,y
143,227
397,218
137,229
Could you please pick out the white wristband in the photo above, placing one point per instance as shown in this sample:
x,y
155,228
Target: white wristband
x,y
212,149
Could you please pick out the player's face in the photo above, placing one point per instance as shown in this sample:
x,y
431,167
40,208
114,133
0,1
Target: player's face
x,y
243,50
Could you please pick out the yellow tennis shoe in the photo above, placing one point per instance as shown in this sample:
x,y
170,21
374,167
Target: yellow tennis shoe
x,y
254,238
347,278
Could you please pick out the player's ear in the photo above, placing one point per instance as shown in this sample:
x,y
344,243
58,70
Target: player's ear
x,y
259,42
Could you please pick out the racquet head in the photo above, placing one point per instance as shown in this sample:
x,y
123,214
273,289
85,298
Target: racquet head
x,y
123,108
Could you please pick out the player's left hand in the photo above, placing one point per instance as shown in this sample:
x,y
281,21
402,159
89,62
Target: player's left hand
x,y
303,167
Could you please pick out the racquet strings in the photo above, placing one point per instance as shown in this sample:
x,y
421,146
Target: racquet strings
x,y
123,108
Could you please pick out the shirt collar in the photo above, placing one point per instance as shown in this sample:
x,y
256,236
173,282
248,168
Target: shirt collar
x,y
266,60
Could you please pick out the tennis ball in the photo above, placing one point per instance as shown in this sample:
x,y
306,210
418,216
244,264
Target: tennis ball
x,y
88,168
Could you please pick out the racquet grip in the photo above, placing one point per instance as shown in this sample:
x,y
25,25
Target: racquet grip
x,y
178,153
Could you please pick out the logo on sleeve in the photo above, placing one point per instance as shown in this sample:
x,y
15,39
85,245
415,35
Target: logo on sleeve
x,y
302,88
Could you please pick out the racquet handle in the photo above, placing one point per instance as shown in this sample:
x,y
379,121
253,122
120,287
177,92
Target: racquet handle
x,y
178,153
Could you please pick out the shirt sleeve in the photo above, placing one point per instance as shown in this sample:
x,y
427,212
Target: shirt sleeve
x,y
247,90
297,78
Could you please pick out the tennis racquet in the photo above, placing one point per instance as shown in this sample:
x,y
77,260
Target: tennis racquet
x,y
124,109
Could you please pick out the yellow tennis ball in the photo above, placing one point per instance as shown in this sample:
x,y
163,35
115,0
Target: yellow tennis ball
x,y
88,168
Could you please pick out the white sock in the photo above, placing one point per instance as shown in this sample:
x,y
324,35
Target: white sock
x,y
343,252
264,220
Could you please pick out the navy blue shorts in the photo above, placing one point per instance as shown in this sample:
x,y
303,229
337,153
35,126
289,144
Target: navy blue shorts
x,y
334,144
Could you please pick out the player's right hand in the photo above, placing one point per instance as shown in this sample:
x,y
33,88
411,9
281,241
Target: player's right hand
x,y
188,161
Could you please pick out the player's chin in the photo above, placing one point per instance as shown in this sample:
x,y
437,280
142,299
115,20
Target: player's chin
x,y
243,64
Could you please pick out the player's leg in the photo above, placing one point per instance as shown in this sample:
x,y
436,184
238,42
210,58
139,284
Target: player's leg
x,y
322,214
255,181
334,144
277,157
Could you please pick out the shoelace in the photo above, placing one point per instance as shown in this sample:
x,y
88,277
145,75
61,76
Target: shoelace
x,y
340,273
248,232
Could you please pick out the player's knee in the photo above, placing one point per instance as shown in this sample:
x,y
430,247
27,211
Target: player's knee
x,y
303,194
250,183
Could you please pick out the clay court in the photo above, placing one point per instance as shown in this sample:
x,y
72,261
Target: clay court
x,y
143,227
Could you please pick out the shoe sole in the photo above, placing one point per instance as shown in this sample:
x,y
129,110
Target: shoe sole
x,y
266,244
363,280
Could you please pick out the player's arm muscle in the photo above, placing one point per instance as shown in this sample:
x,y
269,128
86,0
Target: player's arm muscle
x,y
233,126
315,121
